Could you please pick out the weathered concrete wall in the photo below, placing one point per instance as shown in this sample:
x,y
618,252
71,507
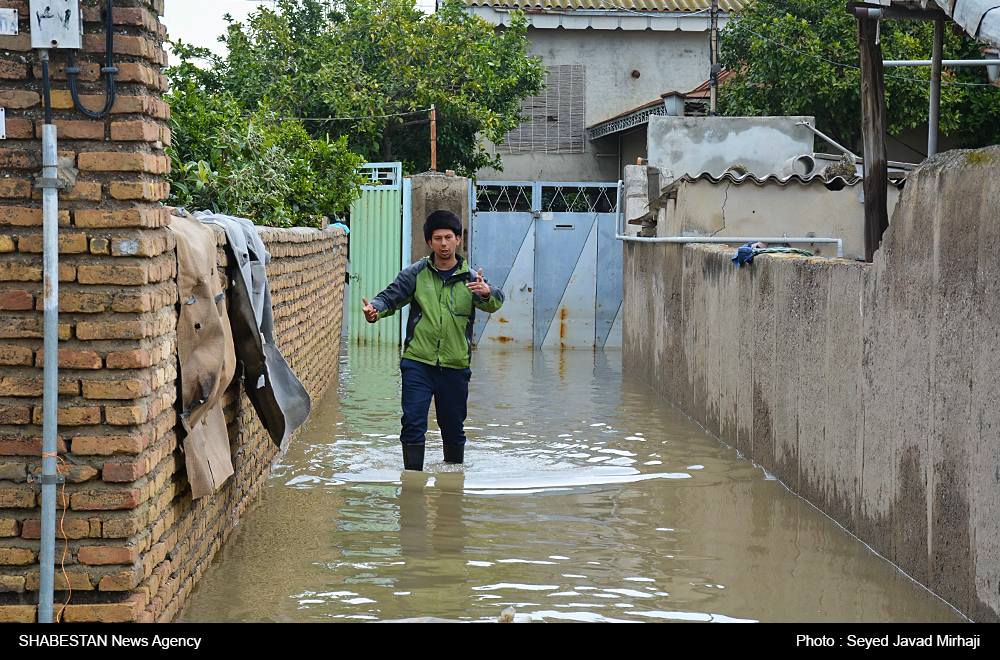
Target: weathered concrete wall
x,y
796,208
744,207
692,145
666,61
869,389
432,191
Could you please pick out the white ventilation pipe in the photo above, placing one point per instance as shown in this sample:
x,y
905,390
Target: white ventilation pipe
x,y
802,165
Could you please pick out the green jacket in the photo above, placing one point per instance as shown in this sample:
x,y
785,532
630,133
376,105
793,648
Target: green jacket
x,y
439,329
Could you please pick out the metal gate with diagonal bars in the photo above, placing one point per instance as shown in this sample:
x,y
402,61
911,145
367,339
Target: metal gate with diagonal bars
x,y
552,248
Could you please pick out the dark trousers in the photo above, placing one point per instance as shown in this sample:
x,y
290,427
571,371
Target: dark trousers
x,y
450,389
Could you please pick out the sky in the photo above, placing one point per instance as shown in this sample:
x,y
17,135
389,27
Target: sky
x,y
199,22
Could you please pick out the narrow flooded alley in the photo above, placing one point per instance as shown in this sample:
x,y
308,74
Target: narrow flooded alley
x,y
584,497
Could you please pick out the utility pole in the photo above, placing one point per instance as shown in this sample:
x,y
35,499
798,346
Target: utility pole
x,y
873,123
434,139
714,58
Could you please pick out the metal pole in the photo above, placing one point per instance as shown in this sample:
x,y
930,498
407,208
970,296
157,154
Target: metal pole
x,y
50,343
933,117
622,236
986,63
729,240
714,43
828,139
434,144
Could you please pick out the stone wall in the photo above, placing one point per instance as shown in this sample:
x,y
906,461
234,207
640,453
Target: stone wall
x,y
868,389
135,542
432,191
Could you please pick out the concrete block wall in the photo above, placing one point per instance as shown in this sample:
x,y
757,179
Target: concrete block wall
x,y
135,541
868,389
432,191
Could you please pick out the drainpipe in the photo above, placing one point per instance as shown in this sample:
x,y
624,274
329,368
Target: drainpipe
x,y
50,184
621,236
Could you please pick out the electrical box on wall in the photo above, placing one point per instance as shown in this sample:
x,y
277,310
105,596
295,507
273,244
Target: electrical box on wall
x,y
56,24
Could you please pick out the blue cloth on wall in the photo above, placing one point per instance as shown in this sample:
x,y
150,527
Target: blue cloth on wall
x,y
745,253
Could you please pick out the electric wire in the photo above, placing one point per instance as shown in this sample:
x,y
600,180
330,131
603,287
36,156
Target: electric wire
x,y
108,70
395,114
247,115
739,25
63,469
908,146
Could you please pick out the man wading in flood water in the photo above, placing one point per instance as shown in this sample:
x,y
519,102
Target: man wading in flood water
x,y
443,297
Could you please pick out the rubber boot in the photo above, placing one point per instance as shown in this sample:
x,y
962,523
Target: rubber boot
x,y
413,457
454,453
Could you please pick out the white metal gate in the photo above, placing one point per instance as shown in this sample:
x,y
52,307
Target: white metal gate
x,y
552,248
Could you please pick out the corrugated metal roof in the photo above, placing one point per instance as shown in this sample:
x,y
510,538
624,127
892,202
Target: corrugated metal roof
x,y
739,179
979,18
610,5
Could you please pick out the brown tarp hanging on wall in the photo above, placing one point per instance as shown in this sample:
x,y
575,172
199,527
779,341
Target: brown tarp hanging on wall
x,y
206,355
281,401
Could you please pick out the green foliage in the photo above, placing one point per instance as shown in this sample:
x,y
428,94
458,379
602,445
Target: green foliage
x,y
384,64
256,164
245,134
800,57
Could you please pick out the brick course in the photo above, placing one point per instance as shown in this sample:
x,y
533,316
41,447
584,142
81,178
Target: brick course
x,y
136,542
133,480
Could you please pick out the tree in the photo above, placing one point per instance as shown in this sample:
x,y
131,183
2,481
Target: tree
x,y
800,57
251,163
369,71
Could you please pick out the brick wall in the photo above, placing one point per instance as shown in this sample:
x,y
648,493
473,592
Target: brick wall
x,y
135,542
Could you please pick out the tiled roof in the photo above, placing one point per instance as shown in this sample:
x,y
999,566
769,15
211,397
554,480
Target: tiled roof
x,y
611,5
838,181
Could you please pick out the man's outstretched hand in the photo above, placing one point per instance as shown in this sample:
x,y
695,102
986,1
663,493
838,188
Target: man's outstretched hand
x,y
371,314
480,286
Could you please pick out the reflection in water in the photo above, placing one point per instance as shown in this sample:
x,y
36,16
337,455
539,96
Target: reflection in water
x,y
584,497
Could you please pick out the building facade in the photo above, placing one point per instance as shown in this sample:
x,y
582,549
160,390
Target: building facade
x,y
603,58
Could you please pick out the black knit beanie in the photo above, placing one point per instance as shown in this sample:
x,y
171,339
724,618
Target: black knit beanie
x,y
442,219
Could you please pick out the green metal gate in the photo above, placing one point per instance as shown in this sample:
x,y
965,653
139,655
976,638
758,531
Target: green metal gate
x,y
375,250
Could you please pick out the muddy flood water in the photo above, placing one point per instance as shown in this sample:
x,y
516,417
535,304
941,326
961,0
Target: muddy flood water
x,y
585,496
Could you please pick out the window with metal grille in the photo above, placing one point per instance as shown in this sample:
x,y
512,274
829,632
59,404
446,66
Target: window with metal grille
x,y
555,124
